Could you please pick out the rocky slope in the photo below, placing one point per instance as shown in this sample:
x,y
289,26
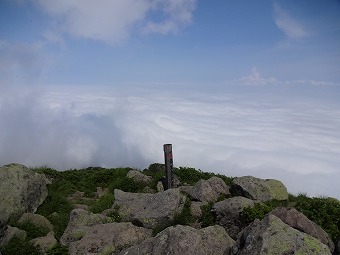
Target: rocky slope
x,y
207,216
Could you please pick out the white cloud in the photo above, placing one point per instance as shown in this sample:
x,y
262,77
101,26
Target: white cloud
x,y
242,132
289,25
113,21
255,78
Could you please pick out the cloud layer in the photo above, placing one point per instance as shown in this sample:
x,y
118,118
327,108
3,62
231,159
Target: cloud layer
x,y
254,132
113,21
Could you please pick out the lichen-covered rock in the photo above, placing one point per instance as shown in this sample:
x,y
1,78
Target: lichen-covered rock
x,y
149,210
79,222
185,240
209,190
273,236
259,189
139,177
21,190
228,213
108,238
37,220
299,221
10,233
44,243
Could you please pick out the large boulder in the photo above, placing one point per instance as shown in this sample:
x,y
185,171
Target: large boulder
x,y
185,240
79,222
259,189
89,233
299,221
149,210
44,243
109,238
209,190
229,211
10,233
272,236
139,177
21,190
36,220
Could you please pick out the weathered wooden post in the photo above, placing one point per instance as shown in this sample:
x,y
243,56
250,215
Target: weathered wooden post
x,y
168,165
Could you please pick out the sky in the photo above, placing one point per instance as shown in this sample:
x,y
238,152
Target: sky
x,y
238,87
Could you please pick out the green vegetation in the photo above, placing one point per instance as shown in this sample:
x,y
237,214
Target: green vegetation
x,y
321,210
191,175
208,218
18,246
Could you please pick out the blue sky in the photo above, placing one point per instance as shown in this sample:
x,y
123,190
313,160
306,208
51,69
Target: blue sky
x,y
239,87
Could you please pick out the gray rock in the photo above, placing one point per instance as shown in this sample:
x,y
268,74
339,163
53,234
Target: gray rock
x,y
228,213
81,206
195,208
44,243
101,192
108,238
299,221
186,189
79,222
160,187
37,220
149,210
21,190
273,236
209,190
185,240
10,233
259,189
139,177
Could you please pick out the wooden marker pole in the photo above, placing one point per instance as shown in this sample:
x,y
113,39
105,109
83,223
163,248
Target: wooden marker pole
x,y
168,164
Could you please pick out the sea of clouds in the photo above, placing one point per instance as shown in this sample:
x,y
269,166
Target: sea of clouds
x,y
288,134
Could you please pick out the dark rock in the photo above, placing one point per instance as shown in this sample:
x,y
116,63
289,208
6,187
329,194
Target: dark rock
x,y
228,214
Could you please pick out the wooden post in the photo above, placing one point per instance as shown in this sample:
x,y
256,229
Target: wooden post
x,y
168,164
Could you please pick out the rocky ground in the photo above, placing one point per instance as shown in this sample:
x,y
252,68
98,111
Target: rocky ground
x,y
161,222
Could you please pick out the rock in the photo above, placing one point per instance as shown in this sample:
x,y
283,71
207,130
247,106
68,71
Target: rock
x,y
37,220
149,210
81,206
44,243
185,240
21,190
157,167
78,223
101,192
10,233
209,190
273,236
186,189
139,177
108,238
160,187
195,208
259,189
228,213
299,221
176,182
